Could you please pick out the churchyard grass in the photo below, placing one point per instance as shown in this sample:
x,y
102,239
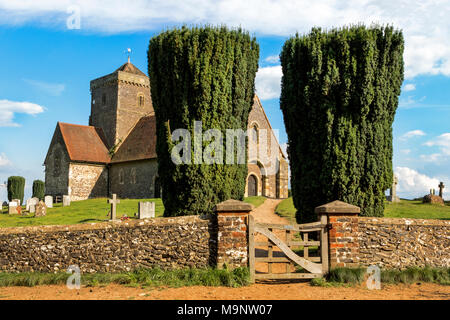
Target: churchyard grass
x,y
88,211
84,211
413,209
144,277
355,276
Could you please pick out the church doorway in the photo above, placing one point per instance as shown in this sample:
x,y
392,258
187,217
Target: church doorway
x,y
252,186
157,188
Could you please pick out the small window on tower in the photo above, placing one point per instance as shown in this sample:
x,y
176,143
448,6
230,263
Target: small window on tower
x,y
140,100
104,99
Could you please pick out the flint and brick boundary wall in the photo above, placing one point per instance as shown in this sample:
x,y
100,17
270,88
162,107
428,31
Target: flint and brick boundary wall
x,y
117,246
390,243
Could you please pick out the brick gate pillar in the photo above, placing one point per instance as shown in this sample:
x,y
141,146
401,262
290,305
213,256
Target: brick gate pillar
x,y
343,245
232,239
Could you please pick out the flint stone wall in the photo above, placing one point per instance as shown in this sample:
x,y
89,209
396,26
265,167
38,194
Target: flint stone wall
x,y
400,243
169,243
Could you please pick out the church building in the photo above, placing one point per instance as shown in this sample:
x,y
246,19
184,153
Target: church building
x,y
116,152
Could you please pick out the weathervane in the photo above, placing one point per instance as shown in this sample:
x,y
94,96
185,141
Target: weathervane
x,y
129,53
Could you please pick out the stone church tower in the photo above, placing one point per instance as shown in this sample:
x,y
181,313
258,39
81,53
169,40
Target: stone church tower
x,y
118,101
116,152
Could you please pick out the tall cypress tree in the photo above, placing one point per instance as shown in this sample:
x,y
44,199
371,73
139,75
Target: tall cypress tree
x,y
200,74
16,188
339,96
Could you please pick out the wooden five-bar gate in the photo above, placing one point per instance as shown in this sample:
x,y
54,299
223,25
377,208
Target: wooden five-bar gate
x,y
297,249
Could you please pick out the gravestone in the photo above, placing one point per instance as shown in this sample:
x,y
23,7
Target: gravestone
x,y
41,209
5,204
393,191
66,201
146,210
32,208
441,189
114,201
12,207
31,202
16,201
49,201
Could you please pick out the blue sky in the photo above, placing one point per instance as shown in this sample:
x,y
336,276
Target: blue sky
x,y
47,68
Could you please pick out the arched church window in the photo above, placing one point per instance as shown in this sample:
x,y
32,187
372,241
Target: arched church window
x,y
133,176
141,100
57,162
121,176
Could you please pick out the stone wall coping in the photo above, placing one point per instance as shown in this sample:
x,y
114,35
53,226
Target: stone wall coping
x,y
404,221
183,220
337,207
232,205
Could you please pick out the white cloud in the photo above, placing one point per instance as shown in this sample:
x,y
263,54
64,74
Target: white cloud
x,y
273,59
413,184
412,134
4,161
268,82
9,108
434,157
425,23
442,141
53,89
409,87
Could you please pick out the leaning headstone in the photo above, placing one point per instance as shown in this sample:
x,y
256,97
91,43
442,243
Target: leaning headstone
x,y
66,201
146,210
12,207
41,209
48,201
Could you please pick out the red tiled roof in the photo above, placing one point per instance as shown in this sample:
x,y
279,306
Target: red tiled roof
x,y
140,143
130,68
85,143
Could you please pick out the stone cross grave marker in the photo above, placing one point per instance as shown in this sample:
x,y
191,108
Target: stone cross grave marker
x,y
114,201
66,201
393,191
41,209
146,210
441,189
48,201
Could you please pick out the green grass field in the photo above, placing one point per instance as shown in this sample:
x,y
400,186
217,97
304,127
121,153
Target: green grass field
x,y
405,209
88,211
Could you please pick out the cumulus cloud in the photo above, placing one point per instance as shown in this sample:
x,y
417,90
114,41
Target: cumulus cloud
x,y
412,134
4,161
443,142
268,82
9,108
53,89
409,87
275,59
413,184
425,24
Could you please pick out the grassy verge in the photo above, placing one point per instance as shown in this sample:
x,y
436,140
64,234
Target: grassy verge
x,y
141,277
412,209
286,209
88,211
256,200
354,276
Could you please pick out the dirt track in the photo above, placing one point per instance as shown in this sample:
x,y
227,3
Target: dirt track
x,y
259,291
